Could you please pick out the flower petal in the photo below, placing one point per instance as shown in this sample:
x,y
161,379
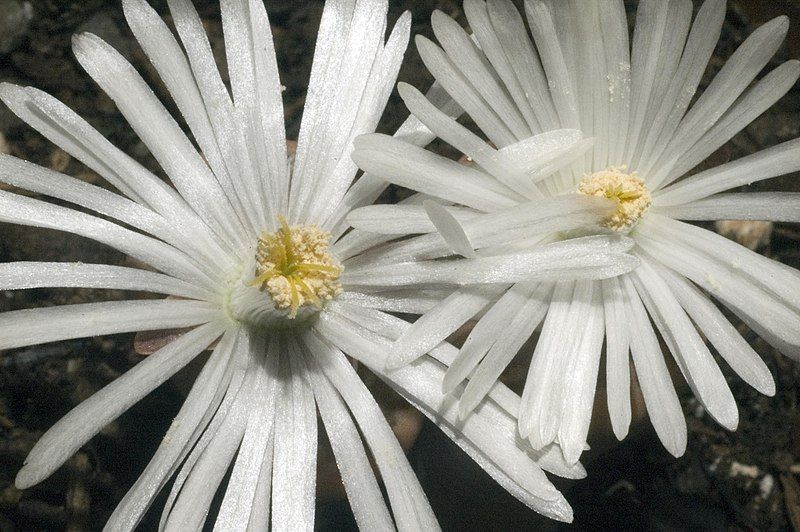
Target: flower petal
x,y
618,373
19,328
86,420
26,275
294,469
659,395
773,206
202,400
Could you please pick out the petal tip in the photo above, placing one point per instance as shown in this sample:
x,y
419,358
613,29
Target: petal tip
x,y
26,478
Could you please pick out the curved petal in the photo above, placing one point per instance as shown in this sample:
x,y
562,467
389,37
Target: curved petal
x,y
86,420
202,400
19,328
26,275
358,478
773,206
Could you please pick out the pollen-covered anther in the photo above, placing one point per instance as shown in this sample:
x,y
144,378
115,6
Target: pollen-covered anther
x,y
627,190
295,267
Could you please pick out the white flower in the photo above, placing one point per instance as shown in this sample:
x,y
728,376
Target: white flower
x,y
581,74
249,245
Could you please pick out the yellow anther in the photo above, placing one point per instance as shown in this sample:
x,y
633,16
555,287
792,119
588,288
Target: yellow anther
x,y
628,191
295,267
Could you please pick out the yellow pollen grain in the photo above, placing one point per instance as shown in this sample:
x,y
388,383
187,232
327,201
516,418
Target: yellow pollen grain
x,y
628,191
295,267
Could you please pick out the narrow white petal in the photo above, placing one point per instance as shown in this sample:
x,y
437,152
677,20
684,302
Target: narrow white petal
x,y
329,54
175,71
240,161
763,291
773,206
747,108
369,187
488,436
358,478
444,319
203,398
782,281
691,354
41,180
480,22
581,374
418,169
559,82
539,413
721,333
75,136
240,372
734,77
65,128
254,454
651,372
460,137
380,327
25,275
256,88
614,23
535,219
409,504
668,47
508,344
294,471
22,210
485,439
86,420
651,24
618,374
587,257
413,301
458,85
260,512
370,107
450,229
485,333
509,29
401,219
159,131
535,158
682,86
771,162
194,500
321,164
471,61
20,328
356,242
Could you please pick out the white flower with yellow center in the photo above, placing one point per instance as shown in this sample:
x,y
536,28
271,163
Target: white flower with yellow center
x,y
580,73
249,245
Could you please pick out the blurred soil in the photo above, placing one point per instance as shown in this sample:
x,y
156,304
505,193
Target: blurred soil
x,y
743,480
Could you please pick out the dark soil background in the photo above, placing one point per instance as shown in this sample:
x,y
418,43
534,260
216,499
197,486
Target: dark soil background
x,y
743,480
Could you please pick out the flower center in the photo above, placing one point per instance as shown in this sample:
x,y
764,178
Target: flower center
x,y
294,266
628,191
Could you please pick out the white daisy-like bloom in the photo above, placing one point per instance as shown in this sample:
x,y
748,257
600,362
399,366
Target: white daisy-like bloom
x,y
580,72
247,245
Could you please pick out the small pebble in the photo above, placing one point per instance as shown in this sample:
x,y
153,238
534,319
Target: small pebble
x,y
59,160
751,234
744,470
766,485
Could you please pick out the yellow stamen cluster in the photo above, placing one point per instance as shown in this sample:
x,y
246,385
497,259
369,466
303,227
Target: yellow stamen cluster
x,y
295,267
628,191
